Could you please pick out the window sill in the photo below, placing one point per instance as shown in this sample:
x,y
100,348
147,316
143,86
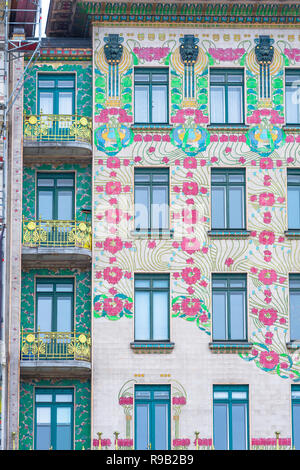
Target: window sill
x,y
293,345
228,233
152,234
150,126
228,347
292,234
225,127
146,347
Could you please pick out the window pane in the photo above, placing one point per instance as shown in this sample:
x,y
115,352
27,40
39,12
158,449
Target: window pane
x,y
142,205
64,314
220,395
160,178
65,105
142,315
219,316
159,77
238,178
44,288
237,315
239,426
46,103
45,182
44,313
43,437
220,426
218,177
159,103
142,395
235,100
219,282
142,283
45,205
142,426
65,83
160,283
63,429
141,108
236,207
42,397
161,427
65,182
160,316
64,287
160,209
239,395
295,315
141,77
235,78
60,398
294,208
65,205
141,178
218,207
217,77
46,83
296,425
217,104
43,415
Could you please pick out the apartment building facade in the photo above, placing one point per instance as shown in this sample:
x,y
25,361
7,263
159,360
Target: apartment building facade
x,y
157,272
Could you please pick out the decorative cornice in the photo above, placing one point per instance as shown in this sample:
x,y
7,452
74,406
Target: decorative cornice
x,y
225,13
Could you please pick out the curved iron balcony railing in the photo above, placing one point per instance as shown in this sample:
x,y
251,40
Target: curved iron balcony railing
x,y
57,128
57,233
53,345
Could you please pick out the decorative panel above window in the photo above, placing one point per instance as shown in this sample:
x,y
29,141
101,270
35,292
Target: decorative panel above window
x,y
226,96
151,96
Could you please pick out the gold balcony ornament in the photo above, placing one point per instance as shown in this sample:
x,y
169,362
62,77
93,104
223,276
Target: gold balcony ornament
x,y
53,345
57,128
57,233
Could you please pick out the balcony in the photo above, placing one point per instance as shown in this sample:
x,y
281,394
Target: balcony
x,y
55,353
56,242
58,135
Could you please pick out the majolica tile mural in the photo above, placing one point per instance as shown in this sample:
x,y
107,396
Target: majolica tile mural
x,y
191,147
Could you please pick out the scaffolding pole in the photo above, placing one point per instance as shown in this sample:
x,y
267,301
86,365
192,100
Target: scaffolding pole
x,y
14,48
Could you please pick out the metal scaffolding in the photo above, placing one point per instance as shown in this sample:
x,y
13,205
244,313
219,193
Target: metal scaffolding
x,y
22,37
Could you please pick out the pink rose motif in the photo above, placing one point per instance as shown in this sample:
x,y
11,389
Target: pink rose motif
x,y
229,262
269,359
126,401
179,400
203,284
190,245
113,162
113,216
113,306
191,275
267,217
190,307
113,245
113,187
267,276
151,244
190,163
266,199
190,188
112,275
189,216
269,337
267,180
266,163
267,316
266,237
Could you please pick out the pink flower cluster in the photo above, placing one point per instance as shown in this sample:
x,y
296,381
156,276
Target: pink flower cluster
x,y
179,400
269,359
125,401
125,442
152,138
191,275
203,442
104,442
104,115
256,116
267,276
293,54
112,275
113,306
263,441
181,442
226,55
268,316
151,53
182,114
226,138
